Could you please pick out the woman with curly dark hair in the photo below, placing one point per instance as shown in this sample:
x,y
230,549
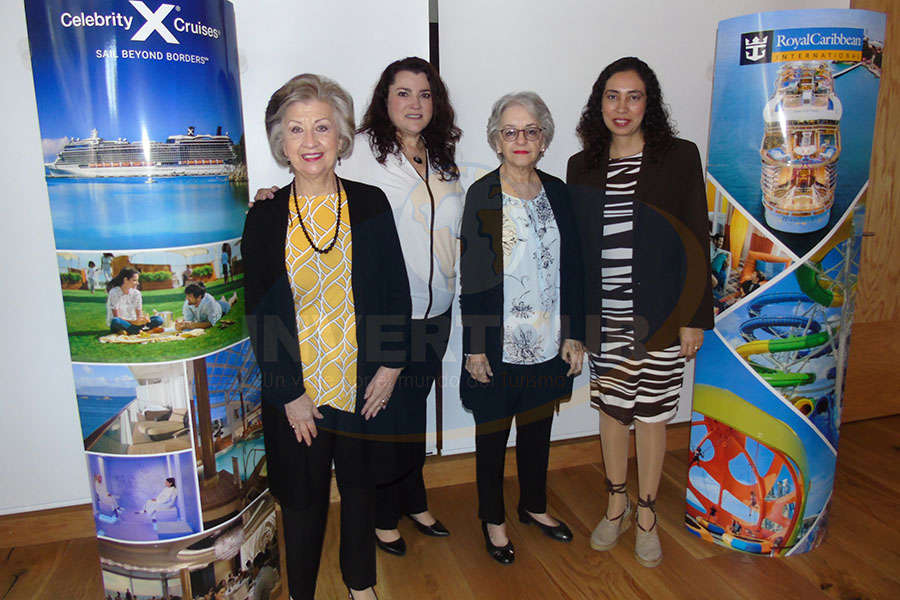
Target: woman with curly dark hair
x,y
406,146
640,202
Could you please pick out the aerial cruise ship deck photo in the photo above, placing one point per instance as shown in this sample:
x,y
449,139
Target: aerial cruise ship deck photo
x,y
800,148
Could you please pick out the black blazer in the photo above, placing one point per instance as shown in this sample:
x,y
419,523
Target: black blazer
x,y
382,307
670,271
481,269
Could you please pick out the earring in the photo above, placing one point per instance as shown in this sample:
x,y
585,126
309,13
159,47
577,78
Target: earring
x,y
339,161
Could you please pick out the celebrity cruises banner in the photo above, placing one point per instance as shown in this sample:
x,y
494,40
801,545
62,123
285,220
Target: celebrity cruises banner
x,y
140,118
794,99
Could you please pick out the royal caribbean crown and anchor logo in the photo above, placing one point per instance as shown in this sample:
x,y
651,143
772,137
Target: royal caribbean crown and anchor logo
x,y
800,44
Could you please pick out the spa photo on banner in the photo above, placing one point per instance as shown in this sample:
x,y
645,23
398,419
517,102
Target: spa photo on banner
x,y
142,135
134,409
791,131
226,408
237,560
152,306
144,498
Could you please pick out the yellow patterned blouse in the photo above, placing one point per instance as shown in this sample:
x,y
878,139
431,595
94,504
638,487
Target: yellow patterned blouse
x,y
323,300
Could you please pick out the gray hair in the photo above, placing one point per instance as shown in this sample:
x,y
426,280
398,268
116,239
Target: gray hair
x,y
305,88
531,102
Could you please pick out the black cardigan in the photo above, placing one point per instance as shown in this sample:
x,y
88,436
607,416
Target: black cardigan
x,y
382,308
481,268
670,269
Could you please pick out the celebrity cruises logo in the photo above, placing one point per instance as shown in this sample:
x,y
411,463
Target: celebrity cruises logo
x,y
154,21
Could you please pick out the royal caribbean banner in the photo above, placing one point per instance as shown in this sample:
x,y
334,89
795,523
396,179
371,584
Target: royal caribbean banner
x,y
140,117
793,112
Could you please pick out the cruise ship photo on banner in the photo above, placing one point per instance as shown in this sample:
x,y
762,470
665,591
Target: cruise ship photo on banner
x,y
141,128
183,154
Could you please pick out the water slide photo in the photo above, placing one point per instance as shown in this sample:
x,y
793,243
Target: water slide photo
x,y
760,475
144,498
794,332
152,306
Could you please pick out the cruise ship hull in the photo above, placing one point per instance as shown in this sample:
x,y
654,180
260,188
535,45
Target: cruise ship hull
x,y
55,170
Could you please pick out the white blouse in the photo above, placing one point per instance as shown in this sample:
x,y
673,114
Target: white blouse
x,y
531,321
411,205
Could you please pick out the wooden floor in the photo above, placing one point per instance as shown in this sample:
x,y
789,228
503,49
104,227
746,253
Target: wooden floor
x,y
858,560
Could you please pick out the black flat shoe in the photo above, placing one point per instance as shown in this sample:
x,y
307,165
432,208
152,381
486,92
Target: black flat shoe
x,y
436,529
350,592
560,533
397,547
505,555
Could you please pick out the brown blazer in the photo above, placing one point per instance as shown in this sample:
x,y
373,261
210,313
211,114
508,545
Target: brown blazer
x,y
670,270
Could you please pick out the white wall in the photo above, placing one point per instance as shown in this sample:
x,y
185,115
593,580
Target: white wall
x,y
42,463
351,41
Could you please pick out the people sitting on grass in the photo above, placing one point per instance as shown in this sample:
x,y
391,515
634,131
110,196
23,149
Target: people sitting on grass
x,y
124,305
201,310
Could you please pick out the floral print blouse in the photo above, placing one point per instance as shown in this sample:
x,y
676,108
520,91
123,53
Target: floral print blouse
x,y
531,322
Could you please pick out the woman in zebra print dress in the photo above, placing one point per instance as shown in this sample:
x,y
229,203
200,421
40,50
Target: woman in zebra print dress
x,y
649,296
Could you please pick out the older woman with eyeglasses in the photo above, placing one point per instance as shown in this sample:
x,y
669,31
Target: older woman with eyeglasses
x,y
324,316
522,312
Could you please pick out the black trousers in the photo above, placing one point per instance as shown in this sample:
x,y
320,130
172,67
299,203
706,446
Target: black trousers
x,y
529,394
304,529
401,488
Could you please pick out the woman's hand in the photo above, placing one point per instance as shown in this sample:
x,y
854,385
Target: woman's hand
x,y
573,353
479,368
379,391
263,194
301,415
691,340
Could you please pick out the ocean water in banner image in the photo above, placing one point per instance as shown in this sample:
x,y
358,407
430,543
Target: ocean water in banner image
x,y
134,212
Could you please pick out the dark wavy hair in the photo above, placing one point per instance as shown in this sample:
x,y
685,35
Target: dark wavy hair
x,y
125,273
440,135
656,126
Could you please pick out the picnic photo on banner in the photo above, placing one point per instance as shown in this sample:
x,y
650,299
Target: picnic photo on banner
x,y
152,306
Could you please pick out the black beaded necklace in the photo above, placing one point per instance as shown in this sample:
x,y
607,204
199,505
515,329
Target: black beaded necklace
x,y
337,226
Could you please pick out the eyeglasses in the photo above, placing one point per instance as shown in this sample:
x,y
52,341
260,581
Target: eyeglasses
x,y
511,134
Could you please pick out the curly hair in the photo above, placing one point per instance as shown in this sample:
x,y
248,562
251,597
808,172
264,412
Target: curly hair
x,y
440,135
656,125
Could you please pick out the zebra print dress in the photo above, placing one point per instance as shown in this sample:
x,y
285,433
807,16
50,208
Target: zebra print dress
x,y
628,382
